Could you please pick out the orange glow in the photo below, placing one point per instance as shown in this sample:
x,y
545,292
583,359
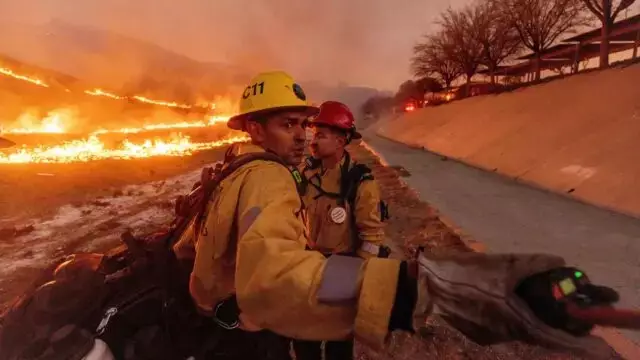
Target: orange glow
x,y
99,92
92,148
163,103
53,123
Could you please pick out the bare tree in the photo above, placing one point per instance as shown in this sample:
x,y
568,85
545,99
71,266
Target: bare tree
x,y
461,44
430,59
607,11
429,84
540,23
499,39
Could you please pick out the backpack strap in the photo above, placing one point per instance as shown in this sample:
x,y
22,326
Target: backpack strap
x,y
356,176
310,163
211,179
351,176
351,180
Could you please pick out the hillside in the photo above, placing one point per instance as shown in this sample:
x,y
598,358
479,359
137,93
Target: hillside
x,y
352,96
576,136
114,61
61,54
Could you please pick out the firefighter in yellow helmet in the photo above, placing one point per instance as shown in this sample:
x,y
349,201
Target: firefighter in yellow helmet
x,y
344,209
252,271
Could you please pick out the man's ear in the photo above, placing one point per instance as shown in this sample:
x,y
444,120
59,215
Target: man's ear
x,y
344,139
256,130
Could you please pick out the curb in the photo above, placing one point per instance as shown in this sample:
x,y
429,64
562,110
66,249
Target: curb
x,y
467,239
618,342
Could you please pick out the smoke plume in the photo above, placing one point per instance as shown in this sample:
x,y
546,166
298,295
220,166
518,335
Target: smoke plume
x,y
357,42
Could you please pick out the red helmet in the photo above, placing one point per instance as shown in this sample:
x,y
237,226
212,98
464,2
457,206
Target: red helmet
x,y
337,115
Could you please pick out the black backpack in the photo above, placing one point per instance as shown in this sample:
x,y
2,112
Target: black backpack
x,y
135,298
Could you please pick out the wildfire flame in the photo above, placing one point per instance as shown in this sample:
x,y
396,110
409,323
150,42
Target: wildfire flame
x,y
181,125
52,124
99,92
60,121
162,103
93,149
9,72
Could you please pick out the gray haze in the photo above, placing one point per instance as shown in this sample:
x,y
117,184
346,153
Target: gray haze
x,y
358,42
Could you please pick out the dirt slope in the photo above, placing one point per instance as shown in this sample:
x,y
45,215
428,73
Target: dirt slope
x,y
577,135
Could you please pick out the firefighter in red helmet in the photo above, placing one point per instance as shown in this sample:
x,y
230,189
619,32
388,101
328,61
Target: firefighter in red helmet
x,y
344,210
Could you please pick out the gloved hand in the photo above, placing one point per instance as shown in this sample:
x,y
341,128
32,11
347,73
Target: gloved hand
x,y
544,294
488,298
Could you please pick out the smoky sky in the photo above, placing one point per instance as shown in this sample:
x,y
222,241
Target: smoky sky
x,y
358,42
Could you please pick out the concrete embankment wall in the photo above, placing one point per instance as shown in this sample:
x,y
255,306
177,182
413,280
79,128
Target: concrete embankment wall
x,y
578,136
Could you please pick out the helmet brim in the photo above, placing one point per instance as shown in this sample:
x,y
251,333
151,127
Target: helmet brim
x,y
237,122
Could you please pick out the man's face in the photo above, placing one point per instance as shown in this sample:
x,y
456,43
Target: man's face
x,y
283,133
326,142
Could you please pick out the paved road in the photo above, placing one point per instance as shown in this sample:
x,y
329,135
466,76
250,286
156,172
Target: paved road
x,y
510,217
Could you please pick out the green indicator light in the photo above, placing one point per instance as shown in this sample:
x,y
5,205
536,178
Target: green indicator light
x,y
578,274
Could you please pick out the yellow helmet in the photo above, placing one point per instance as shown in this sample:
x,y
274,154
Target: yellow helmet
x,y
268,91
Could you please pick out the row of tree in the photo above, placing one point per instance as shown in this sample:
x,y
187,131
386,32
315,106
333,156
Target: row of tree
x,y
489,32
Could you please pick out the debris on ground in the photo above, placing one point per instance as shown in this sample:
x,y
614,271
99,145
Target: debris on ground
x,y
14,232
100,203
24,230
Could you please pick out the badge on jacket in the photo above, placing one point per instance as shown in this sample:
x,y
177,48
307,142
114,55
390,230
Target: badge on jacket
x,y
338,215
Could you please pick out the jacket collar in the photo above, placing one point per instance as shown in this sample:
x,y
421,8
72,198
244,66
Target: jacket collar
x,y
245,148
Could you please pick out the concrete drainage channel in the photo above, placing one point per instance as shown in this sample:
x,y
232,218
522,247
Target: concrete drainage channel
x,y
621,344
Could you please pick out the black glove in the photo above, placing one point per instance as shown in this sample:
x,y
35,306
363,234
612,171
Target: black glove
x,y
549,293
